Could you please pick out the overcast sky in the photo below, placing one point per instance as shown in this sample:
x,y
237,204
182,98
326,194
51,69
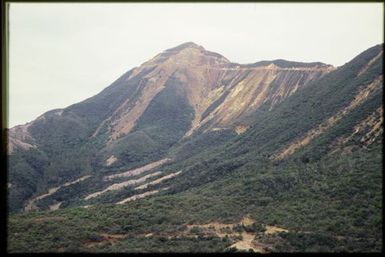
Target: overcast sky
x,y
61,54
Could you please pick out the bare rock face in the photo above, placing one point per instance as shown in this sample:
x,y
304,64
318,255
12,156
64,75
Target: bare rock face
x,y
221,93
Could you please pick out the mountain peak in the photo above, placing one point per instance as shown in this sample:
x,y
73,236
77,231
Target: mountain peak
x,y
188,53
185,46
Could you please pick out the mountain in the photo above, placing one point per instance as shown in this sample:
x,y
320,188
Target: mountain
x,y
183,91
274,146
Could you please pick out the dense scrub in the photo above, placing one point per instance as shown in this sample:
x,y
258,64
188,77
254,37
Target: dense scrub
x,y
335,197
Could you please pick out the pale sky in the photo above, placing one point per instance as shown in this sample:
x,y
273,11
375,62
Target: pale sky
x,y
61,54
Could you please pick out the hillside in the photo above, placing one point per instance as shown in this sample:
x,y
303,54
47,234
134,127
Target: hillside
x,y
190,152
181,94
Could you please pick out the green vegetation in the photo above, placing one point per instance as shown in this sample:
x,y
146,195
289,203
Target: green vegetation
x,y
334,197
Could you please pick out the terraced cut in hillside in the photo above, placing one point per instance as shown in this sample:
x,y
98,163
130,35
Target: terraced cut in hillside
x,y
139,170
111,160
157,181
360,97
139,183
120,185
368,130
31,204
140,196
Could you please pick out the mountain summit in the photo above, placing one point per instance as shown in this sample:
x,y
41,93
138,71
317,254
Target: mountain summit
x,y
186,45
188,54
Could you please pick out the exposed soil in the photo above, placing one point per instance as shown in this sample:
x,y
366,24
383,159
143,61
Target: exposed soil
x,y
243,241
111,160
157,181
360,97
248,243
121,185
105,239
248,240
31,204
139,170
55,206
371,126
139,196
241,129
19,137
270,230
364,69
